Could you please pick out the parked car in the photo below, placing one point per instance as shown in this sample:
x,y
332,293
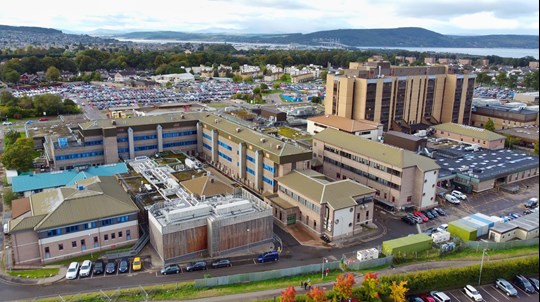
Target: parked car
x,y
170,269
413,298
268,257
72,271
123,267
531,203
439,296
137,264
442,227
505,287
197,266
422,216
458,194
523,283
534,282
43,119
434,213
472,293
7,123
451,199
440,211
415,218
427,298
110,268
408,220
221,263
428,214
86,268
99,267
514,215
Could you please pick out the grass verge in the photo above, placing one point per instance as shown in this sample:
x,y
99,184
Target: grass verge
x,y
35,273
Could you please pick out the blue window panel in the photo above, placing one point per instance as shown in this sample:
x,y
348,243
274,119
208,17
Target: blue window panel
x,y
268,181
105,222
224,145
78,155
207,136
71,229
177,134
250,171
90,225
144,137
122,139
93,143
142,148
268,168
207,146
249,158
122,219
225,156
178,144
52,233
123,150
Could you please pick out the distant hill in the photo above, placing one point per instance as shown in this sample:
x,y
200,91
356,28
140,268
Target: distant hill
x,y
394,37
40,30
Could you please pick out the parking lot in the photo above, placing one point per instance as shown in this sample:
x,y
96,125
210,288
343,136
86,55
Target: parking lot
x,y
492,294
145,265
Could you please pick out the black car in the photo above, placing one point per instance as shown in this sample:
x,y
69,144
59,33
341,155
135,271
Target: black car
x,y
413,298
434,213
99,267
440,211
110,268
123,267
428,214
430,231
408,220
171,269
524,284
196,266
221,263
534,282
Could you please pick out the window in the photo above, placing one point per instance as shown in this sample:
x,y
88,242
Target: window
x,y
113,235
367,214
120,235
83,242
143,148
71,229
90,225
105,222
268,180
250,171
225,156
249,158
73,243
268,168
224,145
207,136
60,247
106,237
47,250
122,218
207,146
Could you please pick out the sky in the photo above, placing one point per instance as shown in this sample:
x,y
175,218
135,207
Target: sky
x,y
452,17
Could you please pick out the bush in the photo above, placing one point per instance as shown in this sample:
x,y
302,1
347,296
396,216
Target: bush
x,y
9,196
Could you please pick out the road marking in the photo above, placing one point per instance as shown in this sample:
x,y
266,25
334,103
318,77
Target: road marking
x,y
501,293
490,294
522,291
454,296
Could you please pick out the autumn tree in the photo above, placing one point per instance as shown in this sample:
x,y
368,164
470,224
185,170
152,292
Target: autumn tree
x,y
370,287
52,74
289,294
398,291
490,125
20,155
343,286
316,295
11,136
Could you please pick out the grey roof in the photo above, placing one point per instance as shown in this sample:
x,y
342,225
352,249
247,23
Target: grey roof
x,y
101,197
484,164
143,120
393,156
314,186
469,131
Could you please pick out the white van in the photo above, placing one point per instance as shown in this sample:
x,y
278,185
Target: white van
x,y
439,296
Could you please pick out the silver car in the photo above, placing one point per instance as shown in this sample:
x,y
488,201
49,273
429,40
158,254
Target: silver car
x,y
506,287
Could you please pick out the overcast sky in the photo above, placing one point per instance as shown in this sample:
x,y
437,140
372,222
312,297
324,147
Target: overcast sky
x,y
273,16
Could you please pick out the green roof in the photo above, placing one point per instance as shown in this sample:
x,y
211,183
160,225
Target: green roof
x,y
390,155
314,186
281,152
24,223
479,133
407,240
101,197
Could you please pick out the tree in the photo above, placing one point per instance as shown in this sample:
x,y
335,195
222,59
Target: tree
x,y
536,147
237,78
398,291
9,196
11,76
490,125
276,86
20,155
316,295
483,78
52,74
370,287
11,137
289,294
323,75
511,141
257,90
501,79
343,286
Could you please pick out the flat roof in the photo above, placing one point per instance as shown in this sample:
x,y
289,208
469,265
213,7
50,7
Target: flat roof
x,y
405,136
483,164
142,120
469,131
528,133
344,124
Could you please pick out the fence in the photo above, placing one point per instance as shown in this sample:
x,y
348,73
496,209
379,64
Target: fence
x,y
359,265
480,245
260,276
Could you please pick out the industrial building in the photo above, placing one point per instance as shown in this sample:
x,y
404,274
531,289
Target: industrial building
x,y
400,98
95,214
401,178
405,141
337,209
469,135
524,227
362,128
503,117
408,245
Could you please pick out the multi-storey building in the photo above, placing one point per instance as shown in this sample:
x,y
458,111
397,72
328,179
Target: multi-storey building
x,y
402,97
400,177
337,209
94,215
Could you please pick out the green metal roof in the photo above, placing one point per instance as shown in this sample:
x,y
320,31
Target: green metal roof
x,y
101,197
313,185
479,133
390,155
407,240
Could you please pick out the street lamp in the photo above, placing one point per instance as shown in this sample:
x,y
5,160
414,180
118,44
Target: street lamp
x,y
248,239
324,260
484,252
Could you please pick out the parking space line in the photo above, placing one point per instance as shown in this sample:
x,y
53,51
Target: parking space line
x,y
454,296
500,293
489,294
522,291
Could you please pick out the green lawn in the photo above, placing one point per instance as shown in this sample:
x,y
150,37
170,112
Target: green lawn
x,y
36,273
273,91
292,133
218,105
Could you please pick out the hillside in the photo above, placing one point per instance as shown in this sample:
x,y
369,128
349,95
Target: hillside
x,y
30,29
395,37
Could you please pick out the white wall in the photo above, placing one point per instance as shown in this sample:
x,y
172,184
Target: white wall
x,y
429,189
346,222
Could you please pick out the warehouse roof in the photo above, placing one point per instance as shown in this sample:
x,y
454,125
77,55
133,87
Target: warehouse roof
x,y
407,240
345,124
478,133
314,186
383,153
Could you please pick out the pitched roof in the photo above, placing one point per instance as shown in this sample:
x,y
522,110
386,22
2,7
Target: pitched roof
x,y
314,186
19,207
24,223
101,197
207,186
345,124
469,131
24,183
393,156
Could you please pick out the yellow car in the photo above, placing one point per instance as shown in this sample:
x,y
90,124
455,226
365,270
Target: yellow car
x,y
137,264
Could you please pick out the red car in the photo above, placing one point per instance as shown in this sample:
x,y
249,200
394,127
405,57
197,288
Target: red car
x,y
43,119
419,214
427,298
